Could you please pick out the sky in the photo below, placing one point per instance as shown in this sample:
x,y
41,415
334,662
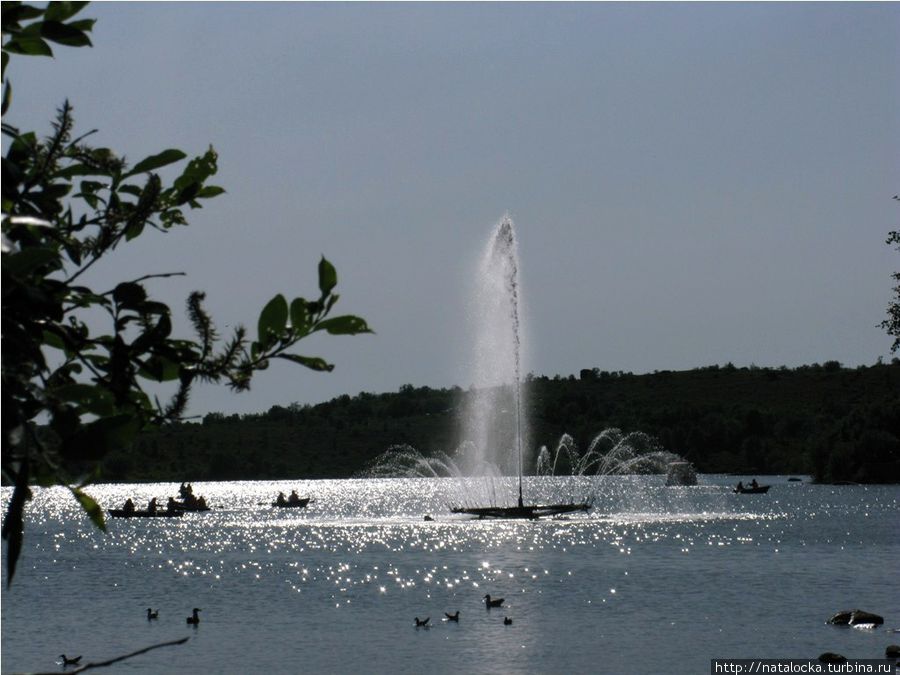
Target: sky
x,y
691,183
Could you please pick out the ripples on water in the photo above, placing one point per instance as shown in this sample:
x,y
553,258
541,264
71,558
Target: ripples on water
x,y
651,576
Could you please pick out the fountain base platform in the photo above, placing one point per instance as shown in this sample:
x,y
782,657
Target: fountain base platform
x,y
520,512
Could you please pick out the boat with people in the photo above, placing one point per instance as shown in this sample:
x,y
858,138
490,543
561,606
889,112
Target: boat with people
x,y
753,488
188,501
759,490
196,506
129,510
292,505
125,513
294,501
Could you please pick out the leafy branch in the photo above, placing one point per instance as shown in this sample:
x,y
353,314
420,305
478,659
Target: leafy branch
x,y
66,206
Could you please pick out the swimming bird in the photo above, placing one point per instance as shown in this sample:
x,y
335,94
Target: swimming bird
x,y
507,621
452,617
151,614
194,619
70,662
422,623
492,603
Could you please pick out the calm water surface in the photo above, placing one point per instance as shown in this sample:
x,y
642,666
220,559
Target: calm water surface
x,y
654,579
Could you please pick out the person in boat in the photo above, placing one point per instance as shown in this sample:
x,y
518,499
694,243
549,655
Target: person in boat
x,y
151,507
201,503
280,500
294,498
183,491
171,505
740,486
129,506
754,484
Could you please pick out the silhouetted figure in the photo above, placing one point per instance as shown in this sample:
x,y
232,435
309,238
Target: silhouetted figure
x,y
294,498
171,505
70,662
184,491
151,614
492,603
507,621
151,507
201,503
194,620
740,486
452,617
129,506
754,484
280,500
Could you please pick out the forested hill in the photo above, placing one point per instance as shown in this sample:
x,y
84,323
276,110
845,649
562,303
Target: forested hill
x,y
832,422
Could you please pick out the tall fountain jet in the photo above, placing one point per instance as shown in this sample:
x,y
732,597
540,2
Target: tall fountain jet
x,y
495,428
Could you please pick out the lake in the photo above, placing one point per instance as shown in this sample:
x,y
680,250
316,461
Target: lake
x,y
653,579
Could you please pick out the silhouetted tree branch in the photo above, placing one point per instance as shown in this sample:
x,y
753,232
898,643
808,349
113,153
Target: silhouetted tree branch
x,y
118,659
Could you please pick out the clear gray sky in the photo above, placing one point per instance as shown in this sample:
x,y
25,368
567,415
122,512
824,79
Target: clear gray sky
x,y
692,183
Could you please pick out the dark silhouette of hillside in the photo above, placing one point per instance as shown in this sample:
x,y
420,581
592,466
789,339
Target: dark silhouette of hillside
x,y
835,423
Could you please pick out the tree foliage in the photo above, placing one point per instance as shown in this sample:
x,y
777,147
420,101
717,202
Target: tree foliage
x,y
892,323
73,392
836,423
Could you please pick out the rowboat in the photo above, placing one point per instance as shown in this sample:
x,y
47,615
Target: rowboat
x,y
292,505
122,513
758,490
193,508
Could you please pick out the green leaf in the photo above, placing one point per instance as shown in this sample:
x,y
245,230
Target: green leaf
x,y
89,397
164,158
134,231
273,319
30,46
85,25
63,34
16,12
60,11
53,340
24,262
210,191
13,524
91,507
160,369
311,362
327,276
299,315
197,171
129,294
344,325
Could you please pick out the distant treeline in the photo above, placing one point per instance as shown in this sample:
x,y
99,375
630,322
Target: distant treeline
x,y
835,423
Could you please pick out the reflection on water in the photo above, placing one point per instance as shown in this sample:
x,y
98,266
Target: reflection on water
x,y
698,572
